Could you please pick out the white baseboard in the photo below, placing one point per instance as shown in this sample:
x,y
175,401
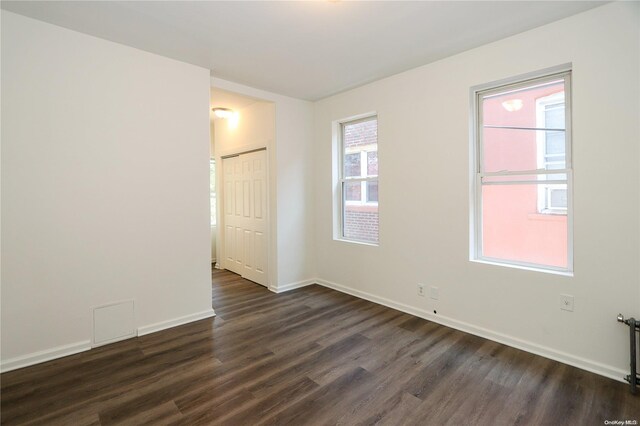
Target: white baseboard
x,y
163,325
291,286
565,358
74,348
44,356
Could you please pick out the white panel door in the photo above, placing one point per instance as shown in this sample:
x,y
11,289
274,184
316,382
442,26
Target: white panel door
x,y
245,223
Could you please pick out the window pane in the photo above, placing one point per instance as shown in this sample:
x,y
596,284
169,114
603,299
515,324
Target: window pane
x,y
514,229
508,122
521,108
360,134
517,150
352,165
360,159
372,192
360,220
372,163
554,143
353,191
554,115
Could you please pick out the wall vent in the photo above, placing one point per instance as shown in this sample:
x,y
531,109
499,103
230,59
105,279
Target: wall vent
x,y
113,322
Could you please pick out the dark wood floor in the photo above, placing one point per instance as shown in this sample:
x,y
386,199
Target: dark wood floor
x,y
310,356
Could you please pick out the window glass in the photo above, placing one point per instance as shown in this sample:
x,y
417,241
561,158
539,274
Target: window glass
x,y
372,163
512,230
522,174
353,191
359,180
372,192
352,165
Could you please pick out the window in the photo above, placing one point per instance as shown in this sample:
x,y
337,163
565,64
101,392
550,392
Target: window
x,y
212,190
358,181
523,174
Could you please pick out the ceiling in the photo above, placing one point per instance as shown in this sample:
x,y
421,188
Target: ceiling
x,y
223,99
305,49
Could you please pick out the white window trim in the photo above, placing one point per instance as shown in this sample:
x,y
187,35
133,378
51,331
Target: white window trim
x,y
339,179
476,174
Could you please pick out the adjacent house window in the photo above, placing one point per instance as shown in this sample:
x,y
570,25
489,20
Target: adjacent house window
x,y
551,112
523,174
212,190
359,180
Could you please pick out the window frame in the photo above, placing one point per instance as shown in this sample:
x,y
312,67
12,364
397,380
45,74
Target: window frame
x,y
363,179
477,93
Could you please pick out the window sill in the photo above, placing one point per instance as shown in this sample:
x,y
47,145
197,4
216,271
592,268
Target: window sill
x,y
362,243
524,267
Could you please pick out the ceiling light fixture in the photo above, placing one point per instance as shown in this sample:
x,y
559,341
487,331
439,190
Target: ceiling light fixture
x,y
222,112
512,105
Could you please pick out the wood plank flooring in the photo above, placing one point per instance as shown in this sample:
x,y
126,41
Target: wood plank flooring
x,y
311,356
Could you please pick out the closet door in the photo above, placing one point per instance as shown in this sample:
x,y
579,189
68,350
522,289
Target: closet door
x,y
245,208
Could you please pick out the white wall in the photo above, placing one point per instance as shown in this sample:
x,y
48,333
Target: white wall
x,y
424,194
254,129
291,204
105,153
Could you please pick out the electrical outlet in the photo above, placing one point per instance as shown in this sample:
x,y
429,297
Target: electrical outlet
x,y
566,302
420,289
434,293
